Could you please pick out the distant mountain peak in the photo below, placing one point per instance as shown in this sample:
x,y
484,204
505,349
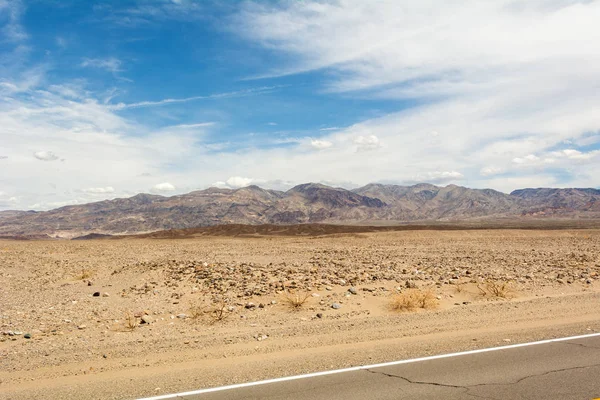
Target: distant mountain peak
x,y
305,203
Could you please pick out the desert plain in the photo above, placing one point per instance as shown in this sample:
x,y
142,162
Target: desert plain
x,y
138,317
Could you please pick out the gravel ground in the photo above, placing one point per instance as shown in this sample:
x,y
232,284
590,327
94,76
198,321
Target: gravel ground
x,y
124,318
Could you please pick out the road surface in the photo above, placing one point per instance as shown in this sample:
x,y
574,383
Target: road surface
x,y
565,369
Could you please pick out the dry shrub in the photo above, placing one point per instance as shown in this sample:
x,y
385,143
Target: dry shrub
x,y
295,300
496,288
197,311
131,321
459,287
84,274
410,300
217,311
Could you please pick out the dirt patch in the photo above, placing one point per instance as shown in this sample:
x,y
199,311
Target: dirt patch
x,y
182,314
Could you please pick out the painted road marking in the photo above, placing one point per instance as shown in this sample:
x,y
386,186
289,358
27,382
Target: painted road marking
x,y
363,367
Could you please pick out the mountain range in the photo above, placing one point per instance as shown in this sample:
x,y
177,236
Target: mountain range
x,y
307,203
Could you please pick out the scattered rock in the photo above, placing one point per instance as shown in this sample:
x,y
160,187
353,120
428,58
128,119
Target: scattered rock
x,y
250,306
182,316
353,290
96,294
336,306
146,319
105,294
319,315
27,336
82,326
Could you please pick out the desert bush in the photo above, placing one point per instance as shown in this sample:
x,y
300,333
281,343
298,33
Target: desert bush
x,y
410,300
197,311
295,300
217,311
85,273
496,288
459,287
131,321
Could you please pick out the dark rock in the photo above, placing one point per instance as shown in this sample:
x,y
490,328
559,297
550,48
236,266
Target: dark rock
x,y
96,294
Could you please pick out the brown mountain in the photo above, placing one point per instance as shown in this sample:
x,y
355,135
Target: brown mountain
x,y
307,203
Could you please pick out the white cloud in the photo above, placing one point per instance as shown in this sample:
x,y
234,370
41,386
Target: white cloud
x,y
318,144
238,182
100,190
163,187
110,64
45,156
239,93
440,177
577,155
366,143
490,171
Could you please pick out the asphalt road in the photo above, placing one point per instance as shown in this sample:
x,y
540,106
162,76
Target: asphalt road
x,y
558,370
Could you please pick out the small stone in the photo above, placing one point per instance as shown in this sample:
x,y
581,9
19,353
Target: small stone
x,y
146,319
96,294
328,288
105,294
319,315
89,283
250,306
182,316
336,306
315,295
353,290
80,327
27,336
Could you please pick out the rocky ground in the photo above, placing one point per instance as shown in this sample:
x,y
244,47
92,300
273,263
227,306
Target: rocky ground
x,y
77,315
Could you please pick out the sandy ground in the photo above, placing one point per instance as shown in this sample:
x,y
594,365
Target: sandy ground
x,y
120,319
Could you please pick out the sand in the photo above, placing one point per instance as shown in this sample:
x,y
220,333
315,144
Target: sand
x,y
218,312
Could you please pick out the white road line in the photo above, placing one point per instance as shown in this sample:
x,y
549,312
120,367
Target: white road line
x,y
359,368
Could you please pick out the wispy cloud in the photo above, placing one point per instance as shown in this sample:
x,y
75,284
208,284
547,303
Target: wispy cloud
x,y
110,64
10,11
238,93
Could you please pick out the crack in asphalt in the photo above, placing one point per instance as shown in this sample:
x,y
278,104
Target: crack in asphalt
x,y
467,388
587,346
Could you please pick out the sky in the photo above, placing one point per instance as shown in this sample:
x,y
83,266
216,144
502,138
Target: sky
x,y
107,99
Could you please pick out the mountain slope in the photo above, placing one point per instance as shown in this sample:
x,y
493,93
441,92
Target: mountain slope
x,y
307,203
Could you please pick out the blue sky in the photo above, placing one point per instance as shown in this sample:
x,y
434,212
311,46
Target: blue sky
x,y
105,99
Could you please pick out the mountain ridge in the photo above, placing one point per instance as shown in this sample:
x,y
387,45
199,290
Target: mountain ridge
x,y
305,203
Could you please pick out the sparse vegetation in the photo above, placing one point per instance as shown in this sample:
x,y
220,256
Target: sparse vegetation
x,y
496,288
295,300
412,299
216,312
85,273
459,287
131,322
197,311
